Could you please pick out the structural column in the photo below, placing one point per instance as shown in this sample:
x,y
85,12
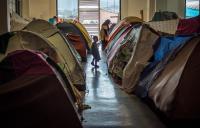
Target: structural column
x,y
4,16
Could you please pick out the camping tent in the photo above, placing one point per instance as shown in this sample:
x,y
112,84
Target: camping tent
x,y
124,22
19,40
82,29
164,48
71,32
72,66
117,39
120,58
176,89
33,94
142,52
75,41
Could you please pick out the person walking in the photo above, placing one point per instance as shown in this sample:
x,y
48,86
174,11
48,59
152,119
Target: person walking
x,y
95,52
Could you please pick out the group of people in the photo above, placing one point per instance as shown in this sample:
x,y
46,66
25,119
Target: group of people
x,y
104,32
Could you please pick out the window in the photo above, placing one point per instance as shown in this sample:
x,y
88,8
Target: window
x,y
67,9
91,13
109,9
192,8
15,6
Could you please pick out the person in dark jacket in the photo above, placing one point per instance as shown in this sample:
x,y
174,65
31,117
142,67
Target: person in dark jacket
x,y
95,52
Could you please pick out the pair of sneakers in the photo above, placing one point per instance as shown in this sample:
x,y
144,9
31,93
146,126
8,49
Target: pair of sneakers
x,y
96,66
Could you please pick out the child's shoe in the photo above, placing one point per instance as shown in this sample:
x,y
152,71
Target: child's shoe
x,y
96,66
92,63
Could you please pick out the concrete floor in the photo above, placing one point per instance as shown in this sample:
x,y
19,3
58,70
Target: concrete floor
x,y
110,106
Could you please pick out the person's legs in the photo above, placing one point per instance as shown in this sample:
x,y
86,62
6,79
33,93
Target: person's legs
x,y
95,64
92,63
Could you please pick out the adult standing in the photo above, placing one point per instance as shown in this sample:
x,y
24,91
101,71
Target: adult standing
x,y
104,33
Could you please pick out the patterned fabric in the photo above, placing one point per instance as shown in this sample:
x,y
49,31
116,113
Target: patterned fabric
x,y
169,26
122,56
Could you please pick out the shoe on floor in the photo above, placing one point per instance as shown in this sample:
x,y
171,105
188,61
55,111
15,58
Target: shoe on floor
x,y
96,66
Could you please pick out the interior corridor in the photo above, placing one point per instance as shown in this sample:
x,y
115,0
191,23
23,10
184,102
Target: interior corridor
x,y
110,106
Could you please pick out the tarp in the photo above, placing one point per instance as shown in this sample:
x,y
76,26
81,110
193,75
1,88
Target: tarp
x,y
164,49
33,94
176,90
142,52
188,26
72,66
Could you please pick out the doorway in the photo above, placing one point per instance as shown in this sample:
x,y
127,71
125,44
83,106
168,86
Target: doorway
x,y
91,13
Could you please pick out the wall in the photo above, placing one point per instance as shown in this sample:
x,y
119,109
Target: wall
x,y
133,8
177,6
25,8
151,6
43,9
124,8
161,5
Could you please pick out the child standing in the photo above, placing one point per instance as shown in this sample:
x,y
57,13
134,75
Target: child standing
x,y
95,52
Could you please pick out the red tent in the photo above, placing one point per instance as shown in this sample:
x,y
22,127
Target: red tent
x,y
34,94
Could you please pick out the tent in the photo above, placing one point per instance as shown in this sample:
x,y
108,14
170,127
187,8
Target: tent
x,y
72,66
33,94
71,33
120,58
142,52
118,38
20,40
127,21
164,49
75,40
82,29
176,89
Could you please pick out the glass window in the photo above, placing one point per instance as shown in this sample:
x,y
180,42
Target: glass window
x,y
192,8
67,9
109,9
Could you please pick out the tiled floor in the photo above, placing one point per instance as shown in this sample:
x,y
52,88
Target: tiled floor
x,y
110,106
